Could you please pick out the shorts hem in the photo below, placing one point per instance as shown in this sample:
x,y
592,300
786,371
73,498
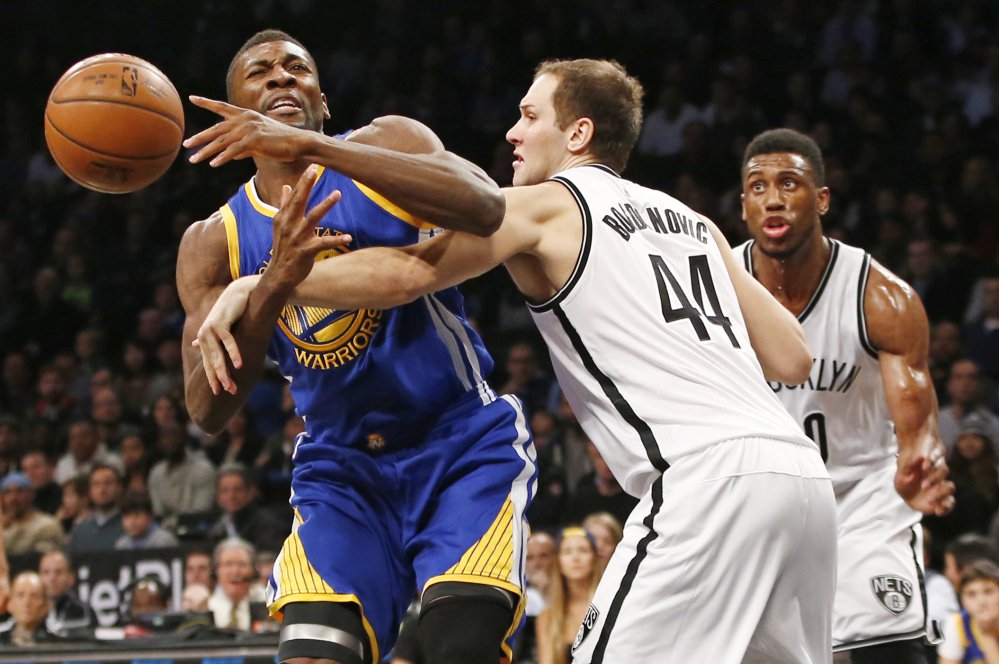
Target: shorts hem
x,y
472,578
880,640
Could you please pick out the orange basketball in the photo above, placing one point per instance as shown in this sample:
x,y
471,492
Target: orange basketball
x,y
114,123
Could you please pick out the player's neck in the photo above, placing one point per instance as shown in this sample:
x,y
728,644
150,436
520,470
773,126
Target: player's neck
x,y
793,279
273,175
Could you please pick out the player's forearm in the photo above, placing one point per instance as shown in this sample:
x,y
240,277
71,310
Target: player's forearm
x,y
913,406
439,187
374,278
252,334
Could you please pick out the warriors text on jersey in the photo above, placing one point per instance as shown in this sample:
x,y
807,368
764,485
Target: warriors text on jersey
x,y
647,337
363,378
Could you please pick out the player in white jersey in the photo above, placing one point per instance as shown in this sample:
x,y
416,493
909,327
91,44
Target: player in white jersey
x,y
662,343
869,386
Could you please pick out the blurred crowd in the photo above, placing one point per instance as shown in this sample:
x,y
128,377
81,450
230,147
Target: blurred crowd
x,y
96,450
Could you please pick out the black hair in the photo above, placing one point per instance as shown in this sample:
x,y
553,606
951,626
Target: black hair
x,y
788,140
969,548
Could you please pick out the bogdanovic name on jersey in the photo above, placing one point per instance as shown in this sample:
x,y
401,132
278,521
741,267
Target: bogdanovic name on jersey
x,y
626,220
827,375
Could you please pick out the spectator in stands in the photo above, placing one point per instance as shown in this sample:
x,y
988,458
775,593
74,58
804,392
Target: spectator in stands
x,y
945,349
973,634
606,531
548,505
198,569
135,460
964,391
235,590
16,385
242,516
525,378
183,482
26,529
981,338
28,607
274,464
147,594
194,598
541,554
100,530
75,505
139,524
68,613
972,465
54,405
85,451
38,467
109,416
599,492
239,442
574,579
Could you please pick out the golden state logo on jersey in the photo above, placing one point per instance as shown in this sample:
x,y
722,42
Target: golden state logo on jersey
x,y
327,338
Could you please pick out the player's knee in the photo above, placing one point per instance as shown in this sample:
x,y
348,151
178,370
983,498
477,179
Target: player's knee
x,y
464,623
323,633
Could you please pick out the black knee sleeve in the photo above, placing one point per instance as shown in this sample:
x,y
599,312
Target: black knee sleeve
x,y
912,651
464,623
324,630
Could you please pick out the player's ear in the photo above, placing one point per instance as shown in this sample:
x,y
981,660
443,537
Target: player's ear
x,y
581,136
326,107
824,196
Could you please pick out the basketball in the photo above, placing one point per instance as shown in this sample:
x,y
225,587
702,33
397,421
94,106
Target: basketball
x,y
114,123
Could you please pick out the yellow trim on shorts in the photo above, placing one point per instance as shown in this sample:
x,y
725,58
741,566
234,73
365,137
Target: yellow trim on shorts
x,y
392,208
231,239
298,581
492,556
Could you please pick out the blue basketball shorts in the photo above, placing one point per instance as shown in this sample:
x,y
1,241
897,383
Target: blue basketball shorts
x,y
373,529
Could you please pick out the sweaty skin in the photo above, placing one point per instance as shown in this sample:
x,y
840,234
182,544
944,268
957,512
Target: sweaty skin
x,y
783,207
275,118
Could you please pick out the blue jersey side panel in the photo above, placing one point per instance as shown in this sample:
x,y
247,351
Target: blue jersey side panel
x,y
370,378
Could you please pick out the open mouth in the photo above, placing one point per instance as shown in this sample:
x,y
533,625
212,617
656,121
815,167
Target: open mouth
x,y
775,228
284,106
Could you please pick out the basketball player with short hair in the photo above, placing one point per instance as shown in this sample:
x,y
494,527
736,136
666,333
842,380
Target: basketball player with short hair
x,y
412,474
868,402
661,342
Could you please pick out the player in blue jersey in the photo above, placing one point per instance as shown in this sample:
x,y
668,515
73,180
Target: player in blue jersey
x,y
412,475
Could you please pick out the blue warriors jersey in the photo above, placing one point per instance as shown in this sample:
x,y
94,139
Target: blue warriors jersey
x,y
969,635
367,379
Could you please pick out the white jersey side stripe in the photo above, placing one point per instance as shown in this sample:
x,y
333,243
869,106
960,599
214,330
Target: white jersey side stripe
x,y
612,392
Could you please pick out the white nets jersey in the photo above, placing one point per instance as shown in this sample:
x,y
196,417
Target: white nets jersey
x,y
647,338
842,405
879,594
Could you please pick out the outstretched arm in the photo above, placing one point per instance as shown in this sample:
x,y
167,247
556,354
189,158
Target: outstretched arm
x,y
774,332
202,274
377,277
898,329
398,157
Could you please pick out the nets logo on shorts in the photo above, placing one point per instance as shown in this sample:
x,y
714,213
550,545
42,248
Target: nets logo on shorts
x,y
894,592
589,620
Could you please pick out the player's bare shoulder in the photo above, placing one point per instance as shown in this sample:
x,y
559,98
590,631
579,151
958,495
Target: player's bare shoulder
x,y
896,319
203,257
399,133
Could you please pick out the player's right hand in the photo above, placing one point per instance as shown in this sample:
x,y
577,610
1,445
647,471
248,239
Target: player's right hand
x,y
296,243
292,257
922,482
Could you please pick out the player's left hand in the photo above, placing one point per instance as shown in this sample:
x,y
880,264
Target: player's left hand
x,y
242,133
922,482
215,339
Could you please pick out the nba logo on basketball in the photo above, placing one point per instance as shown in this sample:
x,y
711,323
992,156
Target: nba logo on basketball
x,y
894,592
129,81
584,630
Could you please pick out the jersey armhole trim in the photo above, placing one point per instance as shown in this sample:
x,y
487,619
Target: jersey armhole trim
x,y
865,341
833,255
747,257
232,240
391,207
584,250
